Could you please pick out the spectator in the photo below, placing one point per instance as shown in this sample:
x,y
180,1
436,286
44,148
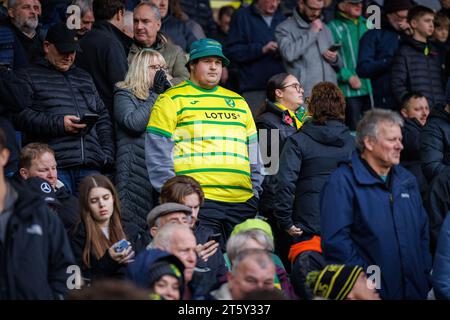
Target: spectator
x,y
158,271
133,100
416,65
230,179
340,282
252,46
95,242
128,23
224,17
230,74
173,24
377,49
304,42
87,16
435,140
253,269
38,160
440,35
437,204
187,191
57,95
105,49
348,28
415,112
34,265
307,160
147,23
372,213
282,110
441,276
257,234
180,241
201,12
20,35
166,213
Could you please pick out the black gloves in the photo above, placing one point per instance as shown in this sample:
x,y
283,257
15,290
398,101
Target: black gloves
x,y
160,82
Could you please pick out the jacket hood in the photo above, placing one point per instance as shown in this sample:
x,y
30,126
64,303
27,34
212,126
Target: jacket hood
x,y
138,270
439,112
333,132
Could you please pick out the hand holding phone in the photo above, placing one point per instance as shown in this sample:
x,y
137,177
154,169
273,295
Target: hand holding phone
x,y
335,47
89,119
121,245
215,237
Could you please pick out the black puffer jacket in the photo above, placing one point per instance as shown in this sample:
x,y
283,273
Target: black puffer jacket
x,y
272,118
410,155
307,159
412,70
50,95
131,117
435,143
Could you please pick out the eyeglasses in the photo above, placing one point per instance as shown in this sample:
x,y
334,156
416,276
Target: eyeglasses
x,y
297,86
400,17
158,67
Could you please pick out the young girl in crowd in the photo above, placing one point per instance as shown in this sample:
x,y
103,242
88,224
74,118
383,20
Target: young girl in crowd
x,y
101,244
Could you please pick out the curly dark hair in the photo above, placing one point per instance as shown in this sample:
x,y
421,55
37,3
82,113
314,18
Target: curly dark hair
x,y
326,103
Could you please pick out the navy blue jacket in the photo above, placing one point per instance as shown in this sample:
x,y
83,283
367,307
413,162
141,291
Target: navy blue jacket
x,y
307,159
36,255
376,52
248,34
441,268
365,222
413,70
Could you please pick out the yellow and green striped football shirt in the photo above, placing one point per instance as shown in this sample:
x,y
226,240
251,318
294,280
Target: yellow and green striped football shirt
x,y
212,130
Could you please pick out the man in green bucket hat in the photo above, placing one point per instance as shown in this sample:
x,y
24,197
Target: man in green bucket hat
x,y
205,131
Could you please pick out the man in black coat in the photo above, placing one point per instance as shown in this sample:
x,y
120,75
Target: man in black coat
x,y
105,49
435,140
35,264
416,65
58,95
415,112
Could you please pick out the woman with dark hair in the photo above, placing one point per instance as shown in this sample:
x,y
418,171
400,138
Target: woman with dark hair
x,y
282,110
307,159
176,24
101,244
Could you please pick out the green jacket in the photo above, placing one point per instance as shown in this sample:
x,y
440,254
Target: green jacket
x,y
348,32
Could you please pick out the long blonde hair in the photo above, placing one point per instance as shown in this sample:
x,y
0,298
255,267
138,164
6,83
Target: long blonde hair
x,y
138,79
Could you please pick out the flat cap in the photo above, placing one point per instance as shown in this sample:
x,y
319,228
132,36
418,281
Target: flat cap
x,y
164,209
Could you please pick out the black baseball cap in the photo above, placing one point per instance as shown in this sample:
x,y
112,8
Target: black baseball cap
x,y
64,39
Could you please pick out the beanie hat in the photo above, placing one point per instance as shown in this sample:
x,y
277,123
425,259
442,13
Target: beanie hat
x,y
162,268
207,48
396,5
334,282
250,224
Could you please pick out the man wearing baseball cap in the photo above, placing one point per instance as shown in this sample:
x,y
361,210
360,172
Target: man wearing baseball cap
x,y
56,95
202,130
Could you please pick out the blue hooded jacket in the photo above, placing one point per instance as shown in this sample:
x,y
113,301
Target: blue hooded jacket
x,y
364,222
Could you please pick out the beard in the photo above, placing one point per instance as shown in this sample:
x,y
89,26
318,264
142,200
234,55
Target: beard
x,y
27,24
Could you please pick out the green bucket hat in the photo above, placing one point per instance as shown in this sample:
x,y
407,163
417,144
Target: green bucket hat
x,y
207,47
250,224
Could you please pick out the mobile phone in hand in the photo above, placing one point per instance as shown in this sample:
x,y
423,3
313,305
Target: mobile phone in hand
x,y
335,47
121,245
215,237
